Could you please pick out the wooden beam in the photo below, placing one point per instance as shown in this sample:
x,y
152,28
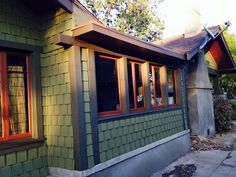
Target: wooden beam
x,y
66,4
64,40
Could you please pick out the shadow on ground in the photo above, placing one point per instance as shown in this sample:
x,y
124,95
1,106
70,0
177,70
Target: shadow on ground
x,y
216,162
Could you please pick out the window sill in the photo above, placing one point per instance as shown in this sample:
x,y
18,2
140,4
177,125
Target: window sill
x,y
19,145
133,114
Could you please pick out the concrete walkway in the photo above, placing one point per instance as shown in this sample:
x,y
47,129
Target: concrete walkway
x,y
213,163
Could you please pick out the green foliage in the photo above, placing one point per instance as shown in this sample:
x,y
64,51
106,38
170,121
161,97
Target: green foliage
x,y
231,42
227,83
228,80
136,17
223,113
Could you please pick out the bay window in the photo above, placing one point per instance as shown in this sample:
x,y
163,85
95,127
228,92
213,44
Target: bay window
x,y
126,86
15,110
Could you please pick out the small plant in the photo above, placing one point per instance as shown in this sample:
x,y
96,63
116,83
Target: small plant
x,y
223,113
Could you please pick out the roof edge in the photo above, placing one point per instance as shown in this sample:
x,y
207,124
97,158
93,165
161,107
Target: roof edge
x,y
93,26
66,4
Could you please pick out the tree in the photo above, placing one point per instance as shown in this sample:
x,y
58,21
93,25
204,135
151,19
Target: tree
x,y
136,17
228,80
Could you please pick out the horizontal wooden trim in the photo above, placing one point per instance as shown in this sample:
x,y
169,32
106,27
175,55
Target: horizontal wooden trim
x,y
159,107
109,113
142,60
108,57
17,136
19,46
135,114
19,145
173,105
142,109
227,71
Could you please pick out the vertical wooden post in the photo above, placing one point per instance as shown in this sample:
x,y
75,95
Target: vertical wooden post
x,y
93,105
164,85
177,76
79,133
146,84
122,65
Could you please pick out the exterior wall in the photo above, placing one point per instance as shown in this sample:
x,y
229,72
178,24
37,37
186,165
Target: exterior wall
x,y
27,163
19,24
56,91
87,111
210,61
123,134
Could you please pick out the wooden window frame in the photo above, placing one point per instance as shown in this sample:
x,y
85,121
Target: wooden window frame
x,y
136,109
5,100
176,85
116,112
155,106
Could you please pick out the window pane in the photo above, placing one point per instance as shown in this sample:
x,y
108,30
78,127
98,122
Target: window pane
x,y
131,88
155,87
135,78
107,85
139,86
17,95
171,86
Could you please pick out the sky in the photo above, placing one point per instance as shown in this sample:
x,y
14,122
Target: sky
x,y
179,15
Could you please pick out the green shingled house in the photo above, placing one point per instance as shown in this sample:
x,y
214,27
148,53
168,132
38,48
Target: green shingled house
x,y
80,99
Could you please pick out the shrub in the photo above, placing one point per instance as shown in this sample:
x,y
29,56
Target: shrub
x,y
233,102
223,113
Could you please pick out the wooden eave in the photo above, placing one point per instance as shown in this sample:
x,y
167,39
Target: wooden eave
x,y
119,42
44,6
220,51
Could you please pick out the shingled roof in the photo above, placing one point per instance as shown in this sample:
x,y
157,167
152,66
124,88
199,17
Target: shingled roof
x,y
183,45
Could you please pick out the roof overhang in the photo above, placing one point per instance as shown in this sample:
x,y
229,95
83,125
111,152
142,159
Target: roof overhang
x,y
223,58
43,6
118,42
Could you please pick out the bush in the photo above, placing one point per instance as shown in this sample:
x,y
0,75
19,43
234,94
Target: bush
x,y
233,102
223,114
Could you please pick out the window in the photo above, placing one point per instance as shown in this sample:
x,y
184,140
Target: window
x,y
155,87
107,79
136,90
171,86
15,97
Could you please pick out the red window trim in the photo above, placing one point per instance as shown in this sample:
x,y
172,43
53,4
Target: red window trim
x,y
136,109
116,112
155,106
4,101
